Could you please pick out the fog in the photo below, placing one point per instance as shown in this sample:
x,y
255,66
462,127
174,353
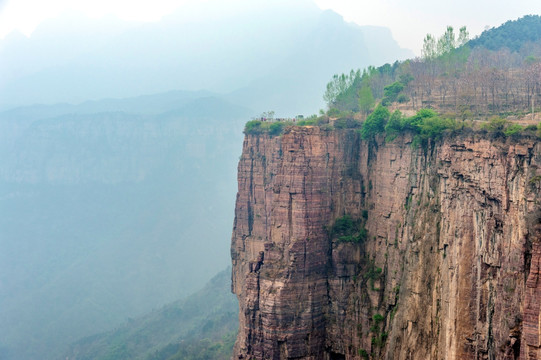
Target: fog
x,y
119,143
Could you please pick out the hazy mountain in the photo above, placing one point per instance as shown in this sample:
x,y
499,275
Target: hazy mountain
x,y
105,216
112,207
296,83
211,313
262,48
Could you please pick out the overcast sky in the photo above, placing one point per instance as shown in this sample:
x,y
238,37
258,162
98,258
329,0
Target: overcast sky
x,y
409,20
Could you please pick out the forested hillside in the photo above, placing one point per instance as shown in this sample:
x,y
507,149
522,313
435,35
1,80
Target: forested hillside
x,y
203,326
485,76
513,35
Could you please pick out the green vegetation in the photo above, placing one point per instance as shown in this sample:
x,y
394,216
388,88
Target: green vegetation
x,y
490,75
342,91
425,125
366,99
535,179
260,127
203,326
363,354
373,273
347,229
198,349
512,35
377,318
445,45
455,80
375,123
275,127
379,337
390,92
502,127
347,123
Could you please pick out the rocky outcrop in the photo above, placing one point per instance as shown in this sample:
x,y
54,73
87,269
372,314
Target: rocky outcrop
x,y
449,266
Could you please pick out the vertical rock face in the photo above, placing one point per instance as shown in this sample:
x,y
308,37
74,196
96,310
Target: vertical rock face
x,y
449,267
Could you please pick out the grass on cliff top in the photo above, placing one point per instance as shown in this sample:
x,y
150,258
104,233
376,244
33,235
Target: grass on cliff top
x,y
275,127
426,125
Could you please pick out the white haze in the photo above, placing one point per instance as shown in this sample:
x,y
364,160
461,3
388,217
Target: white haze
x,y
119,140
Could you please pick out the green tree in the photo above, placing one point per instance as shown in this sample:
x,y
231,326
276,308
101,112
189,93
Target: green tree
x,y
463,37
366,99
429,47
335,87
394,126
447,42
391,92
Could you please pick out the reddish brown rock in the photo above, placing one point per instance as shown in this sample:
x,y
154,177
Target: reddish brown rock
x,y
450,268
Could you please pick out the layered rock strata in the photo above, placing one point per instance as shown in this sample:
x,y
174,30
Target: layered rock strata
x,y
449,267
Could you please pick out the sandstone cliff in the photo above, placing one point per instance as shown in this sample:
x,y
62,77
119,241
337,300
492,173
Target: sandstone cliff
x,y
450,267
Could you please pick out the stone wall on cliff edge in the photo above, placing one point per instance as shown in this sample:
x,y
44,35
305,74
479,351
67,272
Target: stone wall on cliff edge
x,y
450,268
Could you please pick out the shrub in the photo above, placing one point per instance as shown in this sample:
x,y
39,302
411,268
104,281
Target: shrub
x,y
378,318
512,129
346,229
375,123
501,126
364,354
308,122
276,128
333,112
391,92
414,122
433,127
365,214
326,127
253,127
347,123
394,125
495,124
343,225
402,98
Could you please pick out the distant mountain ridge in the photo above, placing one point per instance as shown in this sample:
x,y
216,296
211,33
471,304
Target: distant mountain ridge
x,y
107,214
114,201
259,52
211,313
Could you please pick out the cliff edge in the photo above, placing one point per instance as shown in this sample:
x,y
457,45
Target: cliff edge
x,y
444,263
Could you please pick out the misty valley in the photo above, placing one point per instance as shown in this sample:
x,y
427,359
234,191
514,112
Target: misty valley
x,y
266,180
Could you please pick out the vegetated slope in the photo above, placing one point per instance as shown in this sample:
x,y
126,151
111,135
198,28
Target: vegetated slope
x,y
461,82
105,216
513,35
202,326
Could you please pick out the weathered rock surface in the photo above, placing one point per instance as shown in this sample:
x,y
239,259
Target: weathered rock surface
x,y
450,269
